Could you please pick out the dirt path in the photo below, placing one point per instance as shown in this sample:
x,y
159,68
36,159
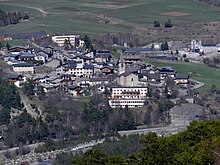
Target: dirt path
x,y
25,100
43,12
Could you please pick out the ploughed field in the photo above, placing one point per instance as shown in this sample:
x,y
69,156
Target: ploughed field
x,y
98,16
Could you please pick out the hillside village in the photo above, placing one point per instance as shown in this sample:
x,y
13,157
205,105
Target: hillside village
x,y
125,82
76,72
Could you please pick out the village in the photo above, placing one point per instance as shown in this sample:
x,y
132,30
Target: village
x,y
127,79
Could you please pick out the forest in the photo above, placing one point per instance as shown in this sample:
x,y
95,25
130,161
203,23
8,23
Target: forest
x,y
199,144
8,18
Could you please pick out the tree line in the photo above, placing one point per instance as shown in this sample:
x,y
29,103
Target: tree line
x,y
8,18
199,144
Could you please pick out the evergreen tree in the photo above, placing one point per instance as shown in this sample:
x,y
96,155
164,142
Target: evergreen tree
x,y
7,45
168,24
156,24
88,44
164,46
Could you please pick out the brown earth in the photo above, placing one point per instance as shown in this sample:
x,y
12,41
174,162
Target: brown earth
x,y
174,14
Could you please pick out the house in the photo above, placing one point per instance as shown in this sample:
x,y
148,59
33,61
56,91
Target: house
x,y
89,54
72,39
181,79
12,62
16,79
103,56
12,56
153,77
53,64
131,60
83,82
98,81
23,68
165,72
79,69
40,78
83,59
40,59
128,96
17,49
41,56
26,56
127,79
75,90
107,70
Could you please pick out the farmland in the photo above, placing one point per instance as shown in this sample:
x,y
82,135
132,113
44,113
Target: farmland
x,y
96,16
199,72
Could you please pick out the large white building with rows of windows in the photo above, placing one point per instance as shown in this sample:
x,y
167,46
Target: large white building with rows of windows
x,y
72,39
131,96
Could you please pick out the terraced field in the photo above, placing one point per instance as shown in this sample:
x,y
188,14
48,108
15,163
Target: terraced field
x,y
97,16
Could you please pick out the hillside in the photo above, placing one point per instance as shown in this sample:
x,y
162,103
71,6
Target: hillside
x,y
199,144
96,16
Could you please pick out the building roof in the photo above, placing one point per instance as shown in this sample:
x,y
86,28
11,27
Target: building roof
x,y
181,76
125,74
23,65
98,79
26,54
72,64
83,57
88,67
14,76
131,87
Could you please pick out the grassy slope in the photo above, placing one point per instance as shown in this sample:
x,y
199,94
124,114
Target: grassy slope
x,y
197,71
64,16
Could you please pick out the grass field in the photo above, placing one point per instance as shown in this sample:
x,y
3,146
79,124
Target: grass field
x,y
198,72
15,43
87,16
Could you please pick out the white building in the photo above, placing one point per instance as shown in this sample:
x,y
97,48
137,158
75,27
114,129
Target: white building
x,y
130,96
23,68
73,39
131,103
80,69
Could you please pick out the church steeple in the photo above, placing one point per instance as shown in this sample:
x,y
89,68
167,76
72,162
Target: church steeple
x,y
121,65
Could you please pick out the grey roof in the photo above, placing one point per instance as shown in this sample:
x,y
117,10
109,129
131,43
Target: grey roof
x,y
72,64
128,87
83,57
14,76
98,79
125,74
181,76
41,76
23,65
88,67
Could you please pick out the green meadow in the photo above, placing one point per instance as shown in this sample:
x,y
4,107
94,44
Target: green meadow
x,y
199,72
87,16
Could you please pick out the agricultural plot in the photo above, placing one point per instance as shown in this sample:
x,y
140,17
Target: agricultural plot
x,y
97,16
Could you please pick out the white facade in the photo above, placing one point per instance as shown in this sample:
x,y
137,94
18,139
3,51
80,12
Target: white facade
x,y
21,69
131,103
130,96
81,71
40,58
60,39
129,92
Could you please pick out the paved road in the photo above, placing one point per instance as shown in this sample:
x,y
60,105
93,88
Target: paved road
x,y
165,131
